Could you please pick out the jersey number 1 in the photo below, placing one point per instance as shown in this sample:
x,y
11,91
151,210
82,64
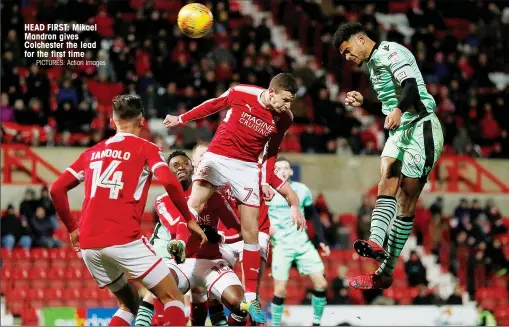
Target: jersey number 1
x,y
108,179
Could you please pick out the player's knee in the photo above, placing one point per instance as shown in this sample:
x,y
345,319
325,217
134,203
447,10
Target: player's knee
x,y
320,284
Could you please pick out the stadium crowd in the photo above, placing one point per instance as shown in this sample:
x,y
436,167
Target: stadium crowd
x,y
69,105
33,224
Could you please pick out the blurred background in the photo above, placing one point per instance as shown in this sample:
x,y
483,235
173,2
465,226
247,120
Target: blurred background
x,y
454,268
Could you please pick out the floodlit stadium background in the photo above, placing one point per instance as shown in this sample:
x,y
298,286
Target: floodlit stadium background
x,y
461,238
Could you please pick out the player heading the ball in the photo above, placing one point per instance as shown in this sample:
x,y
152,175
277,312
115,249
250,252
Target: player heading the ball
x,y
412,149
256,117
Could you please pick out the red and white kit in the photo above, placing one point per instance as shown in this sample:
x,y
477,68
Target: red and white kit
x,y
205,266
233,246
117,174
232,156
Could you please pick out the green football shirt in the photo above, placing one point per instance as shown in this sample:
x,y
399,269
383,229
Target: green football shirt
x,y
389,65
281,221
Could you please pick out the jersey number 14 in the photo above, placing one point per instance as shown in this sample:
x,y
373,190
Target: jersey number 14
x,y
108,179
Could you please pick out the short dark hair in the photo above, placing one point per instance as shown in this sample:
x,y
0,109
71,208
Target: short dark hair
x,y
345,32
176,153
127,106
283,159
284,82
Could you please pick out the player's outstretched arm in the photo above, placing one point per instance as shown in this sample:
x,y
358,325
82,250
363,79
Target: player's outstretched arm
x,y
203,110
58,191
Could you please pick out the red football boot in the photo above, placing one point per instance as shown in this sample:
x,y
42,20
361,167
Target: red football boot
x,y
371,281
369,249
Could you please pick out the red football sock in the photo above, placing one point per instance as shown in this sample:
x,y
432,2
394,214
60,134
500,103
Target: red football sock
x,y
158,313
174,314
199,312
122,318
251,266
236,320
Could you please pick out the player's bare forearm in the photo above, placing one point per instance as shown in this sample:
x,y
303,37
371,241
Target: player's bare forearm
x,y
58,192
289,194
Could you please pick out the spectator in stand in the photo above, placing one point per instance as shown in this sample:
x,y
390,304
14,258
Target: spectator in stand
x,y
6,111
21,114
490,129
36,112
43,229
456,298
66,117
498,262
67,93
38,86
427,296
461,142
47,204
415,270
364,215
340,289
14,230
28,205
462,210
84,116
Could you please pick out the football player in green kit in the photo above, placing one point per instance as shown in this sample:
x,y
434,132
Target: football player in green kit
x,y
291,244
414,145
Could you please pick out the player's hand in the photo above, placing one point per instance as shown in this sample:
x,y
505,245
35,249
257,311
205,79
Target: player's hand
x,y
268,193
75,240
171,121
211,233
393,119
325,249
193,227
298,217
354,99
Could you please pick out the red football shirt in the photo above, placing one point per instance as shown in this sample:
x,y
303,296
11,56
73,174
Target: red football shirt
x,y
117,173
248,125
217,209
168,213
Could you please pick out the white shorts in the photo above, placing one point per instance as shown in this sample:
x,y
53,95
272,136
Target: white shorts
x,y
214,275
112,266
242,176
233,252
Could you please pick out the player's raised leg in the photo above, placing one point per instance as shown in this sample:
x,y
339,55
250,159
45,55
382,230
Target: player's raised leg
x,y
200,194
384,211
420,153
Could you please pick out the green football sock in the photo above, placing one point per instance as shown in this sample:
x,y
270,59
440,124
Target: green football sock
x,y
318,301
145,313
385,210
277,307
400,231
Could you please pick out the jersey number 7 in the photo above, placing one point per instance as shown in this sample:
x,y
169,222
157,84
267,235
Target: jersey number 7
x,y
108,179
